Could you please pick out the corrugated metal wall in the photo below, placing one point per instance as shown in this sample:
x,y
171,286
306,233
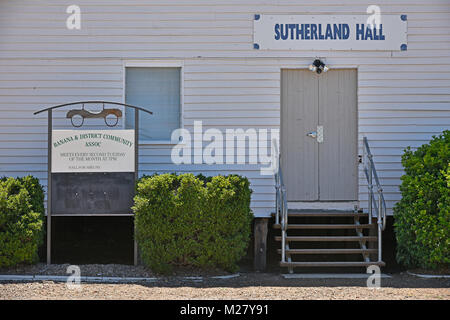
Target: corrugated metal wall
x,y
403,97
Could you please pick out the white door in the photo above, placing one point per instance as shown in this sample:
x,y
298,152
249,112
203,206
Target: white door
x,y
319,135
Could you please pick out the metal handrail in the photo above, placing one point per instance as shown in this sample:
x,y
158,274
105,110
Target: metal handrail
x,y
372,172
281,205
374,204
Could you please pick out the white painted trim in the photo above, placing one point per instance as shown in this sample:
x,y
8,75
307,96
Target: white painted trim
x,y
346,205
153,63
156,64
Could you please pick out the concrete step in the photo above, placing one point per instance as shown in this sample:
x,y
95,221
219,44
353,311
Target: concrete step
x,y
326,226
326,238
329,251
323,213
332,264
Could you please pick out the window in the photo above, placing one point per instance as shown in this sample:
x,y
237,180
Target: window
x,y
158,90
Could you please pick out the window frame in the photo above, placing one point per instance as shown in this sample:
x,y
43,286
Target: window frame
x,y
156,64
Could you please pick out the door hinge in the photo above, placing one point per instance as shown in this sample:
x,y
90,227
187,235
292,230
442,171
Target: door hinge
x,y
320,134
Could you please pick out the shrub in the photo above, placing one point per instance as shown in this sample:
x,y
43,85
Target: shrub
x,y
21,220
195,221
422,217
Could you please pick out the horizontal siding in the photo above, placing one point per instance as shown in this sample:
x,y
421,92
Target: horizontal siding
x,y
187,28
403,97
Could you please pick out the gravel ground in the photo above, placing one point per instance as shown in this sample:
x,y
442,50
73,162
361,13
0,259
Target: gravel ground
x,y
92,270
105,270
258,286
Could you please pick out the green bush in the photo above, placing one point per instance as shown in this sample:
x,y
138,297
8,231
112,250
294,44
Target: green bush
x,y
422,217
21,220
195,221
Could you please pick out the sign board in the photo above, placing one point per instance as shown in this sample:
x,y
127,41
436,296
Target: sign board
x,y
329,32
97,193
78,151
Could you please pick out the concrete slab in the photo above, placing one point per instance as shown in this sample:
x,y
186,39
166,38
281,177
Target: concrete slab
x,y
226,277
103,279
127,279
64,278
51,278
11,277
429,276
330,276
346,205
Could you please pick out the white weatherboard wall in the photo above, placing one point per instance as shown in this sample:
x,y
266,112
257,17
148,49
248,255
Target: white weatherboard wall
x,y
403,96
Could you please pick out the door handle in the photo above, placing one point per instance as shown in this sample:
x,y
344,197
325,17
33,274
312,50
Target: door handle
x,y
318,135
312,134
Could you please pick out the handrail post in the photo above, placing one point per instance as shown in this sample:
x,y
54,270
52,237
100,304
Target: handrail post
x,y
380,209
283,223
281,207
277,219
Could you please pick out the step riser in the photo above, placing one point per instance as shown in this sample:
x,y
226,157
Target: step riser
x,y
330,252
331,264
324,227
326,239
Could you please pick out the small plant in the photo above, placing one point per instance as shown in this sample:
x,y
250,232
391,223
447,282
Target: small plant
x,y
189,220
422,216
21,220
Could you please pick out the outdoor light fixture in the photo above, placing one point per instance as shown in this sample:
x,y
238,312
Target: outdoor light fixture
x,y
318,67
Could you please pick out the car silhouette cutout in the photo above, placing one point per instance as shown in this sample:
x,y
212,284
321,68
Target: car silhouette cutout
x,y
83,114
